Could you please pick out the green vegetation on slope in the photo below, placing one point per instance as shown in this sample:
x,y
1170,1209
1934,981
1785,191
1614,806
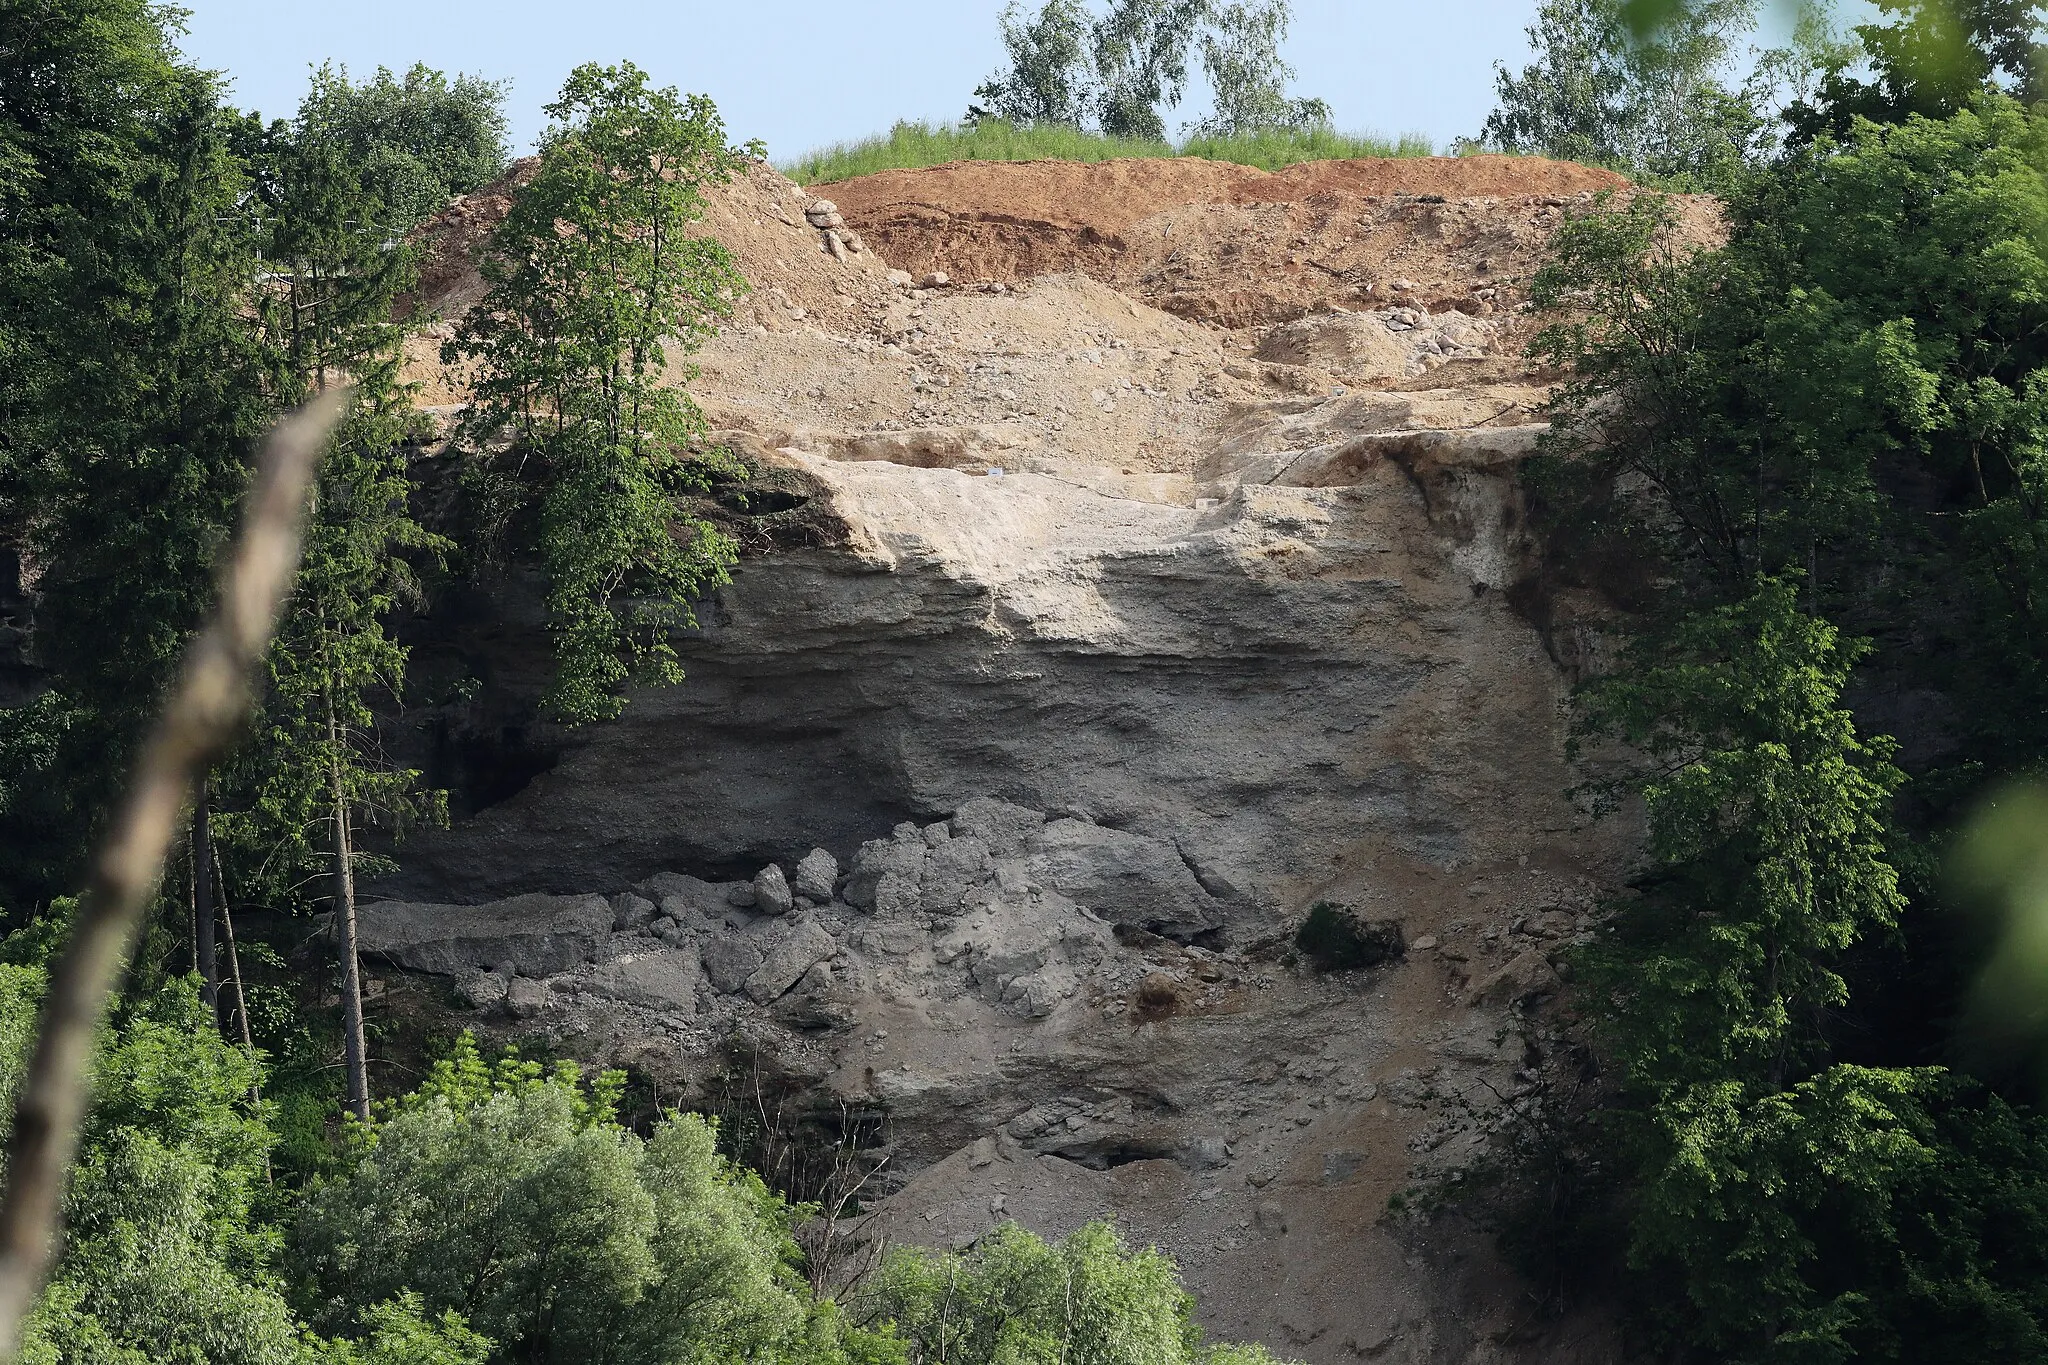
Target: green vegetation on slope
x,y
911,146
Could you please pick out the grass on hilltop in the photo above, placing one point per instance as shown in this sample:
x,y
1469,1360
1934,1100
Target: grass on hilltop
x,y
909,146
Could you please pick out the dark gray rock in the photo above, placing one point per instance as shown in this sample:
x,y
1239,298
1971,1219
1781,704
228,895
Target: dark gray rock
x,y
788,950
729,961
539,935
1124,878
771,892
1004,828
817,876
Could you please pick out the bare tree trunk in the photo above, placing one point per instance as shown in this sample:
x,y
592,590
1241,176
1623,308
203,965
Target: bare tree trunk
x,y
227,924
209,701
205,956
354,1050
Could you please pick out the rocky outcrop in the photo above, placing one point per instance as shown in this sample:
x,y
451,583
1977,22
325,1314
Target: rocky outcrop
x,y
1080,649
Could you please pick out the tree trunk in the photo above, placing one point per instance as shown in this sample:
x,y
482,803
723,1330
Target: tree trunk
x,y
204,956
354,1052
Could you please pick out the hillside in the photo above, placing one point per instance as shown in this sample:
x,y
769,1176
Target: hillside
x,y
1137,560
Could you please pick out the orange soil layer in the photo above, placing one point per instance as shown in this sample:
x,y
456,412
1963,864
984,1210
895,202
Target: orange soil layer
x,y
1108,196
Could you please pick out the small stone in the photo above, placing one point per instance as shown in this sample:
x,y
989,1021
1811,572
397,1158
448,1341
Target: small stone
x,y
982,1153
525,997
1424,944
1406,286
821,208
771,891
818,979
630,912
668,930
903,279
817,876
936,279
937,834
835,244
482,991
740,895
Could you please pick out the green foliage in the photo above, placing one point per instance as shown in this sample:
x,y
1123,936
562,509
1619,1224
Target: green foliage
x,y
1829,420
1674,103
1248,77
1768,819
1018,1300
413,140
401,1334
592,277
1934,59
1336,940
132,389
508,1192
910,146
1118,72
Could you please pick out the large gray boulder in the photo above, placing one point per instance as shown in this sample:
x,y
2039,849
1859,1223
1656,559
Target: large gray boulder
x,y
771,891
788,950
817,876
664,979
539,935
888,874
1125,878
954,872
730,960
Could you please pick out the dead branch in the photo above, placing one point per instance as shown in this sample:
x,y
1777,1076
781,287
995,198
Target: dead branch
x,y
198,720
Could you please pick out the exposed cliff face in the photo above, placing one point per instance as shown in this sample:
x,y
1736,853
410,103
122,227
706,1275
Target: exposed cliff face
x,y
1142,636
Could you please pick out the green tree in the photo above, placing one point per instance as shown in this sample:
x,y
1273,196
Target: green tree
x,y
414,140
578,435
1676,103
509,1193
1248,76
1121,71
1019,1300
1049,80
134,388
1934,58
1758,441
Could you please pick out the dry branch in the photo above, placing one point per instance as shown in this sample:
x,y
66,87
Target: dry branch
x,y
198,720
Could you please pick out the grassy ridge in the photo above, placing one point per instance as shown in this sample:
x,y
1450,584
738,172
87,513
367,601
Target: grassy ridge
x,y
909,146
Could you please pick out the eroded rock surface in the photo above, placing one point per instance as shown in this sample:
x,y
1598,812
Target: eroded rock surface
x,y
1081,647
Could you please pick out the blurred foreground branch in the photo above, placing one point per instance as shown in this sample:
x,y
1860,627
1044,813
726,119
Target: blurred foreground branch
x,y
198,720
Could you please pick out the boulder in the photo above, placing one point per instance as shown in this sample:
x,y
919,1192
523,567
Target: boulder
x,y
817,876
539,935
691,898
888,874
665,979
481,990
772,895
729,960
1124,878
525,997
953,872
631,912
788,951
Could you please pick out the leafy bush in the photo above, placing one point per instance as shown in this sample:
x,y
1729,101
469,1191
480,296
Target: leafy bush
x,y
1336,940
508,1193
1087,1300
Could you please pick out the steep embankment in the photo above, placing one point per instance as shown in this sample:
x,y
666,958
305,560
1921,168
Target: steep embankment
x,y
1158,578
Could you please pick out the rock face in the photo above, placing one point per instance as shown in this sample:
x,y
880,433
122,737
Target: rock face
x,y
1086,649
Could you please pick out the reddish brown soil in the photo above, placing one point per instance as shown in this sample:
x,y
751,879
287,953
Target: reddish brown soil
x,y
1109,196
1232,245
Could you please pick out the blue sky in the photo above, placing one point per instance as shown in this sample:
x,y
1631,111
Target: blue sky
x,y
799,73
